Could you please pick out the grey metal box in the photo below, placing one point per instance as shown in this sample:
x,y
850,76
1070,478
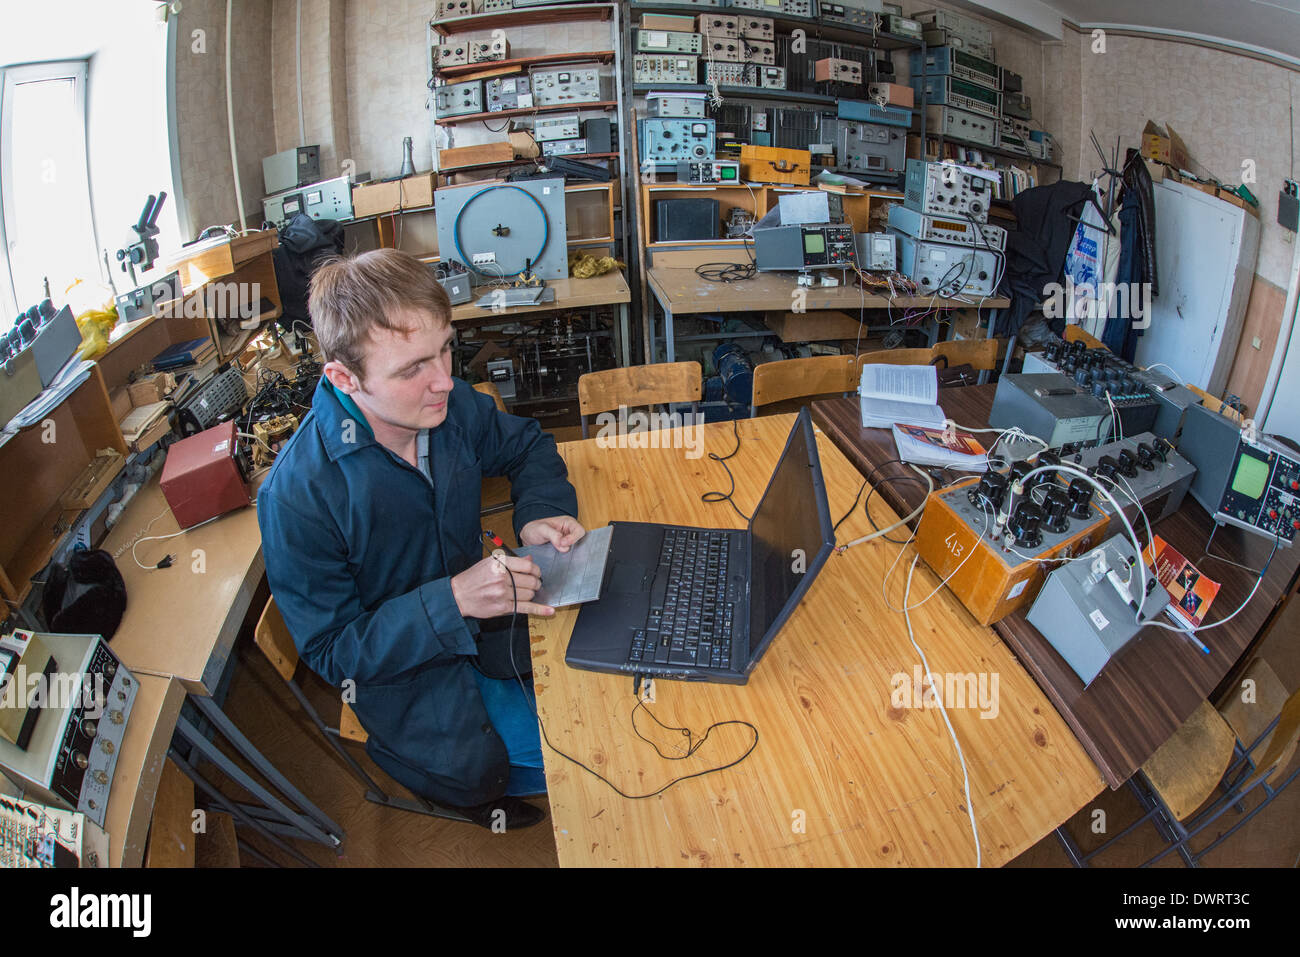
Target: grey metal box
x,y
1056,419
1160,490
291,168
503,225
54,344
1089,625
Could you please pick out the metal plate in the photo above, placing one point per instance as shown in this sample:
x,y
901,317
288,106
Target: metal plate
x,y
472,214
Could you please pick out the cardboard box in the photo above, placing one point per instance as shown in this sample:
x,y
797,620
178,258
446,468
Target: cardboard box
x,y
667,21
1155,170
461,156
414,192
151,388
1164,146
895,94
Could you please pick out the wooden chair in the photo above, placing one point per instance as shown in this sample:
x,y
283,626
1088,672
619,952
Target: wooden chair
x,y
272,636
490,388
1075,333
982,354
662,383
1207,754
1215,404
788,379
895,357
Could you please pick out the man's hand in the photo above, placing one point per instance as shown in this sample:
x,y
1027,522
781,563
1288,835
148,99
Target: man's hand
x,y
561,531
484,590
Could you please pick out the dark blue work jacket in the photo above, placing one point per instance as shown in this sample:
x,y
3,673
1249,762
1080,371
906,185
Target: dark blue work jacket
x,y
359,551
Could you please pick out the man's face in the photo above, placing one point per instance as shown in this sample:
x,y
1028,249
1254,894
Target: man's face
x,y
408,374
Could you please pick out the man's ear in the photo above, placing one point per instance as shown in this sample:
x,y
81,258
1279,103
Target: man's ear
x,y
341,377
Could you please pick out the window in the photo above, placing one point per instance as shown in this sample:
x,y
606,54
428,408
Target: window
x,y
48,230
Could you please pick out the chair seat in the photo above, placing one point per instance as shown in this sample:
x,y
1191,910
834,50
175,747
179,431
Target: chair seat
x,y
350,728
1249,719
1188,767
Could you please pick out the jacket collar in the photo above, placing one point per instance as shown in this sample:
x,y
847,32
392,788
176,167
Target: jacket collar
x,y
342,427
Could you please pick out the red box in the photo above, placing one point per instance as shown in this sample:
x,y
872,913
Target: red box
x,y
201,478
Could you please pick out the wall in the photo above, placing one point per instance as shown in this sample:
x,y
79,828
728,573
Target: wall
x,y
202,134
1227,108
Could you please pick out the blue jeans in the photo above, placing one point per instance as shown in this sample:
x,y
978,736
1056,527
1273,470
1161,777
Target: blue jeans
x,y
511,711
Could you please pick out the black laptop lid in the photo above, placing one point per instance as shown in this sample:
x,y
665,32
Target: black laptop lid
x,y
791,536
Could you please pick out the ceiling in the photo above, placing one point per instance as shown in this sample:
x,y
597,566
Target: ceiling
x,y
1271,26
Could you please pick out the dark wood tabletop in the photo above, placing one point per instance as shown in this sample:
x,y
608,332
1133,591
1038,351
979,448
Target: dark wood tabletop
x,y
1149,689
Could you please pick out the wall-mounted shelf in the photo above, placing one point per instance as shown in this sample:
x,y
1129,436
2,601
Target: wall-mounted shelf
x,y
506,114
525,162
736,92
843,32
480,71
527,17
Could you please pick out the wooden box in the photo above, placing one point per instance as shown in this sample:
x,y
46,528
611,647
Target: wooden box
x,y
480,155
414,192
989,587
770,164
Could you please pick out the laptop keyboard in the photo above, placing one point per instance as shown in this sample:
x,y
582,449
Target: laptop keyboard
x,y
689,622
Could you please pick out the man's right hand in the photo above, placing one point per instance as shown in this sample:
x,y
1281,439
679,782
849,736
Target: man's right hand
x,y
484,590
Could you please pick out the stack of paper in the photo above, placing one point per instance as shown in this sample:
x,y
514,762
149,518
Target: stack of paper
x,y
942,447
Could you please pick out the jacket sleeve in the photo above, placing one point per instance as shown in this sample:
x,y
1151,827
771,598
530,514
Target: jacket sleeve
x,y
307,567
517,448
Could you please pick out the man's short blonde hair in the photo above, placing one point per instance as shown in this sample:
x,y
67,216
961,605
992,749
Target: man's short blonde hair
x,y
350,297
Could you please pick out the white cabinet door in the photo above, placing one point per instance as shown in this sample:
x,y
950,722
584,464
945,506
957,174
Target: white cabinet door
x,y
1197,239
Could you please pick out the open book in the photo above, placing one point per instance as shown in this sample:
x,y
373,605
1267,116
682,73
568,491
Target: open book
x,y
906,394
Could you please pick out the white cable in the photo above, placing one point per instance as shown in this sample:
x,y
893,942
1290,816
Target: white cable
x,y
159,538
884,582
1160,365
970,809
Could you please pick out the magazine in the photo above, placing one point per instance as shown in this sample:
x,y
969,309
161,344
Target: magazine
x,y
1190,591
942,447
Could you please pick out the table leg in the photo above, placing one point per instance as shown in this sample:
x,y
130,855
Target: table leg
x,y
670,349
209,709
993,321
624,335
306,827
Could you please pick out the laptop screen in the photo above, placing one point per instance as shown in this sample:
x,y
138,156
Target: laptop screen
x,y
791,536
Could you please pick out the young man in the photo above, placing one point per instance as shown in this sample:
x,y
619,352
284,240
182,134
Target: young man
x,y
371,536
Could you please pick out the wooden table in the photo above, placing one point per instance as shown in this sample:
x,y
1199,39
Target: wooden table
x,y
840,776
608,290
1147,692
183,620
679,290
139,766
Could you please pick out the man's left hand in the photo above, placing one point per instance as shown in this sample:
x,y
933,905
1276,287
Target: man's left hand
x,y
561,531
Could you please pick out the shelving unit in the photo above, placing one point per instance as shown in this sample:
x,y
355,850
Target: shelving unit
x,y
534,16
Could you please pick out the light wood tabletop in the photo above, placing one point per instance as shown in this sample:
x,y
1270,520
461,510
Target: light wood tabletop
x,y
681,291
607,290
139,766
840,775
183,620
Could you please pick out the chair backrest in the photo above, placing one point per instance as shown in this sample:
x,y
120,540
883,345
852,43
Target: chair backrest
x,y
272,636
980,353
658,384
1281,746
490,388
1075,333
795,378
894,357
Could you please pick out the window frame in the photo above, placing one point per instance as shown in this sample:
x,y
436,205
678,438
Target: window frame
x,y
10,77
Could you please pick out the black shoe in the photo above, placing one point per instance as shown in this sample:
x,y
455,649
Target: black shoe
x,y
518,814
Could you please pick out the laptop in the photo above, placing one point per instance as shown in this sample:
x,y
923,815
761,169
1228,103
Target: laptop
x,y
704,604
